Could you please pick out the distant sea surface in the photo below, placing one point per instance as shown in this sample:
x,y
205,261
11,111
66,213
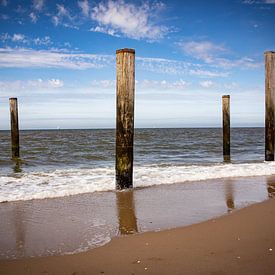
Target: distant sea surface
x,y
58,163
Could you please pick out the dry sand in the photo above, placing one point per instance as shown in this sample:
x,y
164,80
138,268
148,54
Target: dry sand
x,y
242,242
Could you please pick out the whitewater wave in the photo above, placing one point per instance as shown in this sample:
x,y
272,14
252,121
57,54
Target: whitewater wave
x,y
59,183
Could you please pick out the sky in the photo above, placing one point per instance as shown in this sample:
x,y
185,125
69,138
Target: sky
x,y
58,59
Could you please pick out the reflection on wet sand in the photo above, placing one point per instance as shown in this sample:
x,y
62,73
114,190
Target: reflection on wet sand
x,y
270,182
126,212
229,195
19,232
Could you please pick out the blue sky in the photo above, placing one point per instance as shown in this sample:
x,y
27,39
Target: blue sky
x,y
58,58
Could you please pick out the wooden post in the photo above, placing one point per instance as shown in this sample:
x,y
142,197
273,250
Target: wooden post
x,y
14,128
226,127
125,89
269,105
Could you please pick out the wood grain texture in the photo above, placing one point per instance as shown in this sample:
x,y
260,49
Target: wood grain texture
x,y
125,88
14,128
226,127
269,105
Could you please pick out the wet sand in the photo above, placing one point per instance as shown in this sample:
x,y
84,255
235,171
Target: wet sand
x,y
35,235
242,242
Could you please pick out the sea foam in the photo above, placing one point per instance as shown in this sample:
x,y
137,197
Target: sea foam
x,y
59,183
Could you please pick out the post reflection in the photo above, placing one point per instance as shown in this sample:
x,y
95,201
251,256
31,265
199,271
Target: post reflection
x,y
126,212
19,232
229,195
270,183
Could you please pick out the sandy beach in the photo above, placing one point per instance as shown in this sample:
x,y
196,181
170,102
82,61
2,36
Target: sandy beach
x,y
240,242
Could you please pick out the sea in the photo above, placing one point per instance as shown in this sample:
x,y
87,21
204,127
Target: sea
x,y
58,163
60,197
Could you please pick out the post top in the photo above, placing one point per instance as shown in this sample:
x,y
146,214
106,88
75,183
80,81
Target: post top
x,y
13,98
226,96
269,52
125,50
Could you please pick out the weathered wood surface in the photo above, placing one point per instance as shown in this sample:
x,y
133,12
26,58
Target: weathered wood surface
x,y
14,128
226,127
269,105
125,88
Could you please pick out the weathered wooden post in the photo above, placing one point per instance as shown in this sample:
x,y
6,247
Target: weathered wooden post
x,y
269,104
226,127
14,128
125,88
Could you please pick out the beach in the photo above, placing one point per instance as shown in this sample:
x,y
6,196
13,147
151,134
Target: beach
x,y
241,242
223,226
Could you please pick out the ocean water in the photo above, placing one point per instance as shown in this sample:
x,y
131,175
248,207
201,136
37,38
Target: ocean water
x,y
183,171
57,163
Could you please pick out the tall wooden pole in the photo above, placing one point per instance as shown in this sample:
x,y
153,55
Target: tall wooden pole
x,y
125,89
226,127
14,128
269,105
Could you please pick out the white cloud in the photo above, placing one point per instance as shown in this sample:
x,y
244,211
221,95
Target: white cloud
x,y
55,20
106,83
33,17
130,20
33,85
104,30
62,14
163,85
207,73
18,37
27,58
42,41
38,4
55,83
207,84
211,54
251,2
176,67
84,6
203,50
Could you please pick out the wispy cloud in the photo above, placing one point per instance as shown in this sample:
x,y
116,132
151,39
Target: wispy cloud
x,y
29,58
207,84
127,19
176,67
213,55
30,85
204,50
251,2
63,17
38,4
84,6
19,38
33,17
162,85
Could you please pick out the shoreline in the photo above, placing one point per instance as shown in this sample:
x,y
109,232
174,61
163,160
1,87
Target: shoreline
x,y
74,224
241,242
